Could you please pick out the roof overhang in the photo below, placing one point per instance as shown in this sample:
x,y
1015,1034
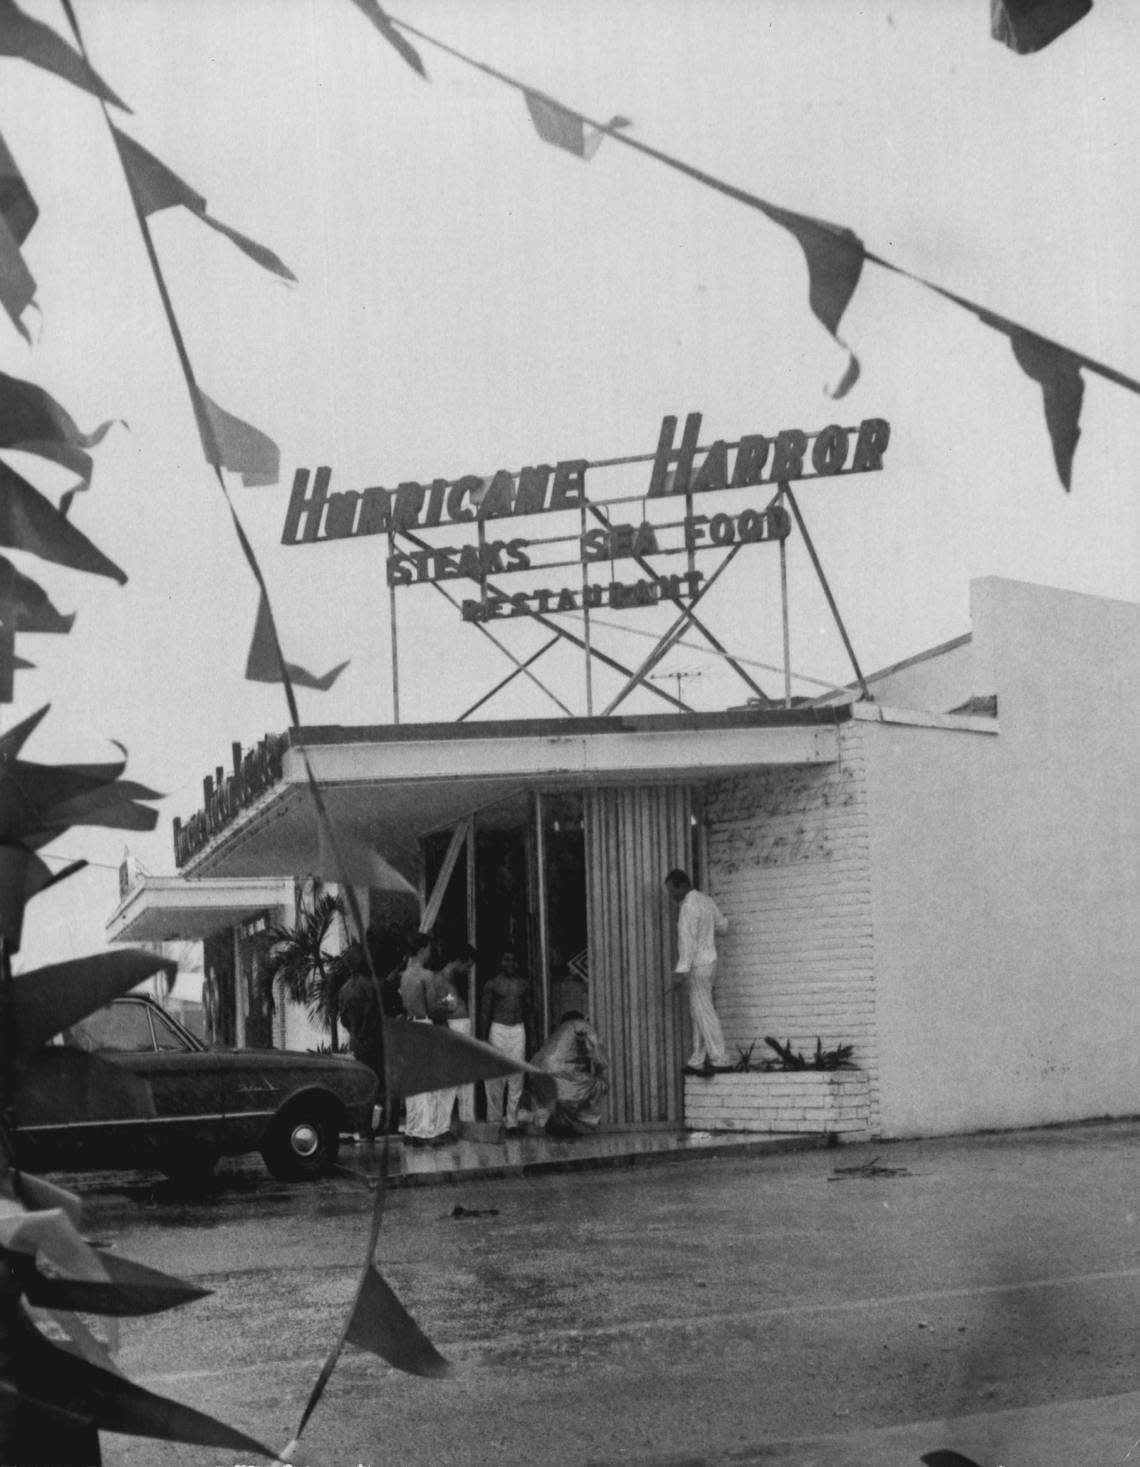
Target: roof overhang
x,y
395,784
171,908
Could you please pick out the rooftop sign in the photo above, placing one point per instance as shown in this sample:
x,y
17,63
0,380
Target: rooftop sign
x,y
477,505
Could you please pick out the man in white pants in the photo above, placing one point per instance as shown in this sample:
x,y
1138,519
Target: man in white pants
x,y
699,919
455,978
427,1114
504,1014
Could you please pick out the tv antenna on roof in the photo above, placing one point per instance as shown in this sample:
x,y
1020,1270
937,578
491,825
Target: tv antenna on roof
x,y
680,677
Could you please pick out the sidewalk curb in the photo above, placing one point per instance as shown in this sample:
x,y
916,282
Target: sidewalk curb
x,y
766,1145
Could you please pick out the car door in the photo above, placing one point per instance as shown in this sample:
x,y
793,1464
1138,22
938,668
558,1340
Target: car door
x,y
185,1080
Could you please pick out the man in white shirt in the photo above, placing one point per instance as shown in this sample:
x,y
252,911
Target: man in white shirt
x,y
699,919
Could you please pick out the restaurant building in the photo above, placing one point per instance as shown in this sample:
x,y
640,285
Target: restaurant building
x,y
939,868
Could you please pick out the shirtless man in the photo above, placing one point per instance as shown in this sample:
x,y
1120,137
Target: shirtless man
x,y
505,1012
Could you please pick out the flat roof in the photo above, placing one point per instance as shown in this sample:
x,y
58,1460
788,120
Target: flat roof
x,y
392,784
171,908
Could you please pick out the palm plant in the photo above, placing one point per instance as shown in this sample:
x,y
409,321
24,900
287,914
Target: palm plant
x,y
300,969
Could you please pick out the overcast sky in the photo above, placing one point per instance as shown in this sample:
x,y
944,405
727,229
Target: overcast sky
x,y
471,298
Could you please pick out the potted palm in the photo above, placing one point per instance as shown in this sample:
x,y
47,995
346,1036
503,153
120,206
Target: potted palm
x,y
824,1092
300,968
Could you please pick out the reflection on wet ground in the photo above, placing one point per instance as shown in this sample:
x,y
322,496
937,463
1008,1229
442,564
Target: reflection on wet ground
x,y
468,1159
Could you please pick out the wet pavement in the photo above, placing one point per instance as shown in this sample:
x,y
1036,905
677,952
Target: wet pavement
x,y
482,1154
820,1308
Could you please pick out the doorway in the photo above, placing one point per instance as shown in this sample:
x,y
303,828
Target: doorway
x,y
571,881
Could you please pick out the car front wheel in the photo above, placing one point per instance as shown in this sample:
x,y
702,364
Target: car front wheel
x,y
301,1143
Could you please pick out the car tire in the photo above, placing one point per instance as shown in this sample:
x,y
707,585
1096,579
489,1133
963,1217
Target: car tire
x,y
302,1142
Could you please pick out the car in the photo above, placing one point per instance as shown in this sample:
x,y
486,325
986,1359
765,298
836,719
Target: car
x,y
129,1086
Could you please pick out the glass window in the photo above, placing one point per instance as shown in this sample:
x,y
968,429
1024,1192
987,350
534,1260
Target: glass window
x,y
119,1026
166,1036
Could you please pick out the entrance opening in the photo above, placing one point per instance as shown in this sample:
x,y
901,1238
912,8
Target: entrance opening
x,y
570,881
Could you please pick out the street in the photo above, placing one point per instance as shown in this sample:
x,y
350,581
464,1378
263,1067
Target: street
x,y
807,1308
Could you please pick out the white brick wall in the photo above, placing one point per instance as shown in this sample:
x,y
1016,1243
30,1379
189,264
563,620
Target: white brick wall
x,y
810,1101
789,865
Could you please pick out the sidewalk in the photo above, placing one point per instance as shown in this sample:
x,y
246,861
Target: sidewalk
x,y
523,1156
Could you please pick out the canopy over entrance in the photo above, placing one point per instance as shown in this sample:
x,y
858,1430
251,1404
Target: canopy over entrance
x,y
392,785
169,908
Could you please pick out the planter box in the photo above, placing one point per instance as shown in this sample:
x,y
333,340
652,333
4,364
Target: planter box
x,y
828,1101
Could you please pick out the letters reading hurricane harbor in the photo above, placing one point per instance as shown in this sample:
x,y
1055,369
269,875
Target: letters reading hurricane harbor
x,y
605,531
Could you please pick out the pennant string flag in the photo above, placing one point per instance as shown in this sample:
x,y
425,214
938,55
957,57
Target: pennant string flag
x,y
33,41
835,254
401,44
241,448
1026,26
565,129
834,257
266,662
1062,389
1055,368
380,1323
155,187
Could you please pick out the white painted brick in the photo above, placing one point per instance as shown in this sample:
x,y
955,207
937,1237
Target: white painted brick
x,y
789,865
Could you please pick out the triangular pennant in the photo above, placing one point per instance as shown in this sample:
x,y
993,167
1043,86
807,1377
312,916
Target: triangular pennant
x,y
19,210
835,256
17,284
1058,372
394,37
242,449
423,1057
32,41
944,1458
264,664
34,611
1026,26
380,1323
128,1289
49,1377
30,522
555,124
154,187
47,1000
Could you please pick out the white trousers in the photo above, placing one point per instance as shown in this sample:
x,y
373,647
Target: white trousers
x,y
466,1093
428,1114
511,1039
708,1039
